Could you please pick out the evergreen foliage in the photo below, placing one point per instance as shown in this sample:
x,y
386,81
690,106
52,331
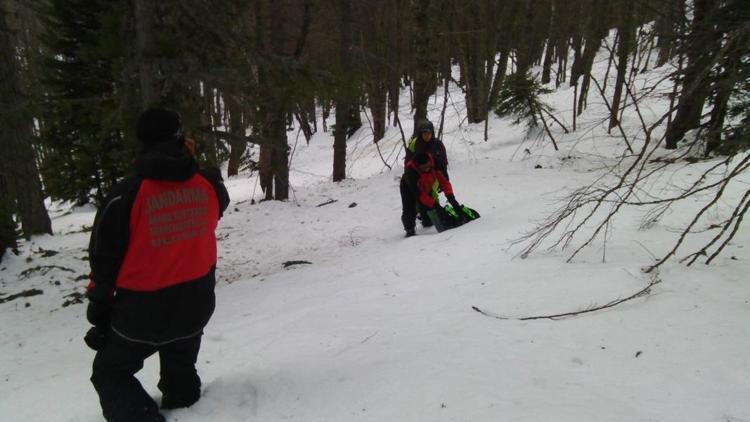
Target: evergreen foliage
x,y
520,98
233,67
736,133
241,72
85,107
729,125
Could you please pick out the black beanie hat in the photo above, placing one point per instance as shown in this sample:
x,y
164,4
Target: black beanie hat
x,y
426,126
421,158
157,125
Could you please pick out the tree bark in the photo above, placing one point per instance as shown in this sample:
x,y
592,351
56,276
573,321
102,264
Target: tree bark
x,y
623,51
671,13
702,39
145,12
497,83
7,225
18,167
547,64
476,45
722,89
595,33
273,109
378,98
303,119
425,68
237,143
576,69
343,100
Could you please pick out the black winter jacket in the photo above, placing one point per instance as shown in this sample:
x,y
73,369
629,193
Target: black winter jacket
x,y
160,312
435,148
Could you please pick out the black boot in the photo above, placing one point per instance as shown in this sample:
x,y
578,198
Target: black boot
x,y
410,232
157,418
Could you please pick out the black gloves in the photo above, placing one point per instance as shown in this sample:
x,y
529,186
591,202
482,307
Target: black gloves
x,y
98,314
95,337
453,202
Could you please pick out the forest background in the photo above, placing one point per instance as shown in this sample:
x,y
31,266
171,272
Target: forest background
x,y
245,74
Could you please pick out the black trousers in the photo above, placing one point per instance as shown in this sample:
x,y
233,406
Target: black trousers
x,y
122,397
410,206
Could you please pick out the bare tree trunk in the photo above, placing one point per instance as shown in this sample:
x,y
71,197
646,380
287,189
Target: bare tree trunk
x,y
424,67
209,141
279,154
28,190
702,39
7,225
671,13
355,115
446,84
303,119
148,71
499,78
343,100
673,94
497,83
562,61
273,159
723,88
553,35
718,114
576,69
476,48
278,105
623,50
395,57
575,97
311,113
472,63
339,142
378,98
528,40
265,163
595,32
237,142
274,152
609,62
18,166
547,64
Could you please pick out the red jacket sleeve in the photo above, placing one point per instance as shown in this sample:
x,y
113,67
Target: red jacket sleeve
x,y
426,199
444,183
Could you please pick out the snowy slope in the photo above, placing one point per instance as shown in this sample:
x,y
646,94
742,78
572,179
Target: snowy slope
x,y
381,328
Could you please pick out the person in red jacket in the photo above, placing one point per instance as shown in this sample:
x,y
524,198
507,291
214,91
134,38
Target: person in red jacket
x,y
420,185
153,259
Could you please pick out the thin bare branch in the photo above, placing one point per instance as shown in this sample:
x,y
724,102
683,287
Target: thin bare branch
x,y
643,292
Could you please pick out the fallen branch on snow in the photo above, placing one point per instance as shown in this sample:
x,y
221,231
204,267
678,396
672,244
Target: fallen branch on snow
x,y
25,293
645,291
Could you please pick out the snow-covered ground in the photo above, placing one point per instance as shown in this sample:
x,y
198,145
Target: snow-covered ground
x,y
382,328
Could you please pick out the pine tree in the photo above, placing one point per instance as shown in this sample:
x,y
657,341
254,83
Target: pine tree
x,y
86,104
520,98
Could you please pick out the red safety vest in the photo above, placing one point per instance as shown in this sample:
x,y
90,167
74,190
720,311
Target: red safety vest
x,y
172,234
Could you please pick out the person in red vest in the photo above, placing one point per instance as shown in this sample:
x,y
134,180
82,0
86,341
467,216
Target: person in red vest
x,y
153,257
420,185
